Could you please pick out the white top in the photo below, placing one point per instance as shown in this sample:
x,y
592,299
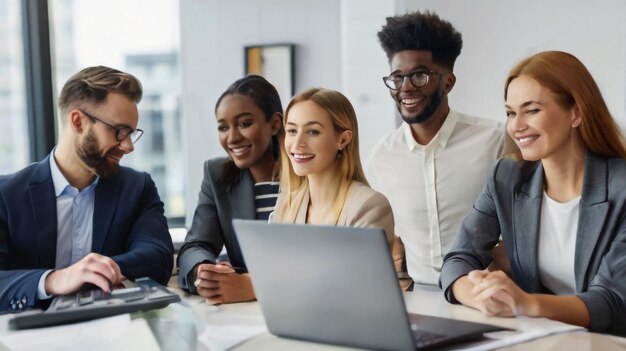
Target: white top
x,y
431,188
557,245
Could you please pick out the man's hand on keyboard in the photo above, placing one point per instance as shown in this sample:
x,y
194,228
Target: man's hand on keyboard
x,y
96,269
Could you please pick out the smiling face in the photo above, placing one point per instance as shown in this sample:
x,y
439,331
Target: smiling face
x,y
541,128
98,147
418,104
311,141
244,132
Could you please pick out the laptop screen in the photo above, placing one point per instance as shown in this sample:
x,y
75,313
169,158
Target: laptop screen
x,y
336,285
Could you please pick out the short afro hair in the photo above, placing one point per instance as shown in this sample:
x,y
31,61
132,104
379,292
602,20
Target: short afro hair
x,y
422,31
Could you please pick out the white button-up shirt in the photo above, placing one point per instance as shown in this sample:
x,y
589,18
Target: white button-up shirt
x,y
432,187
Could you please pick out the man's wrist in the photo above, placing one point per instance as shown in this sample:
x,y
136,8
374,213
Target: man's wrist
x,y
42,293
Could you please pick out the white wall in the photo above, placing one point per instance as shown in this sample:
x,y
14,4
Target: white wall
x,y
337,48
363,65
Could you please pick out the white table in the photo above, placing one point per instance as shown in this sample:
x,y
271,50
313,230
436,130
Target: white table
x,y
422,300
172,328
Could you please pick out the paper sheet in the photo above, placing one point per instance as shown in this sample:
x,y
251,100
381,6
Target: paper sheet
x,y
118,333
225,329
528,329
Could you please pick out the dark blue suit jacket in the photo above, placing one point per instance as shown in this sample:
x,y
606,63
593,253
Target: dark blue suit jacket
x,y
128,225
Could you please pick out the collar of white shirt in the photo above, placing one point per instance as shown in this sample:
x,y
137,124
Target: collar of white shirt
x,y
441,138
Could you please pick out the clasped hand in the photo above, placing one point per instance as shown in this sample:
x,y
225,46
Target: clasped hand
x,y
219,283
495,294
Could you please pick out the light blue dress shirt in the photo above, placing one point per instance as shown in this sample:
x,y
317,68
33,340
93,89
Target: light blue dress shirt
x,y
74,221
74,218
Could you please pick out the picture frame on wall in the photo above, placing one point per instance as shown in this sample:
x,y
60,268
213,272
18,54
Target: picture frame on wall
x,y
274,62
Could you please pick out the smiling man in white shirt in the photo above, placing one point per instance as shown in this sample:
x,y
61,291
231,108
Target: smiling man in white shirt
x,y
434,165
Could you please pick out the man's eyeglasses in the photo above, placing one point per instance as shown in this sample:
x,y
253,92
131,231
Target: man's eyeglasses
x,y
122,132
417,78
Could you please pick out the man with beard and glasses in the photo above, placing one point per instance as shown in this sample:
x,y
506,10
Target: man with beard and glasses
x,y
434,165
77,217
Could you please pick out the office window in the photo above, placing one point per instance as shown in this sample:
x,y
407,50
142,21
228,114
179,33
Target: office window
x,y
140,37
14,149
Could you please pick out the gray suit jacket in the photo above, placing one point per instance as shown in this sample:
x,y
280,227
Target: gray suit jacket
x,y
212,226
510,204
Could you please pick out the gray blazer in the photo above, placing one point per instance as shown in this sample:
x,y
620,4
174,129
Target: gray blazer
x,y
510,204
212,228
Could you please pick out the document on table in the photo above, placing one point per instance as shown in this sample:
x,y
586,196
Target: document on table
x,y
113,333
528,329
229,330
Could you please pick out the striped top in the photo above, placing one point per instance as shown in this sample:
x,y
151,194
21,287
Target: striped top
x,y
265,195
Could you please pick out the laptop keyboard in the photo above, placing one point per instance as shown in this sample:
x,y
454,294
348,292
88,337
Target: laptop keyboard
x,y
425,338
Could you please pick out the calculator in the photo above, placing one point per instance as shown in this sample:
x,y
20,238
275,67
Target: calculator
x,y
145,294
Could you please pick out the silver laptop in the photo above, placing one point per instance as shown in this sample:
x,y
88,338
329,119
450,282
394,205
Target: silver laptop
x,y
337,285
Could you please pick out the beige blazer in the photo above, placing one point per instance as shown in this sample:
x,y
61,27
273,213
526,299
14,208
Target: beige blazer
x,y
364,207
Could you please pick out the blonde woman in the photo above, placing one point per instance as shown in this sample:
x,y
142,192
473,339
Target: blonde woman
x,y
322,181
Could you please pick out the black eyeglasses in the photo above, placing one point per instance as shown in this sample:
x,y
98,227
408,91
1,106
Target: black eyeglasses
x,y
122,132
417,78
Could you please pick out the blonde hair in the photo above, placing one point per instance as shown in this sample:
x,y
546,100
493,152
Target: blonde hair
x,y
348,164
574,87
